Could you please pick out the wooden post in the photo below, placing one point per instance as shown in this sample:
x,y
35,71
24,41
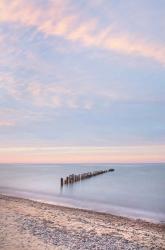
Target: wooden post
x,y
66,180
62,182
74,178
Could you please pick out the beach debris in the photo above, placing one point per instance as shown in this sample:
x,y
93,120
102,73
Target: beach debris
x,y
75,178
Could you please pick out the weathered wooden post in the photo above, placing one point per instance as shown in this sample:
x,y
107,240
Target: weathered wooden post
x,y
74,178
62,182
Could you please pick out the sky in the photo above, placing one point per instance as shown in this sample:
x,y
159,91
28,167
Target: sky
x,y
82,81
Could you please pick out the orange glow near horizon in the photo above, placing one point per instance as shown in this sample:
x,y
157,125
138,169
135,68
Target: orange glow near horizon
x,y
129,154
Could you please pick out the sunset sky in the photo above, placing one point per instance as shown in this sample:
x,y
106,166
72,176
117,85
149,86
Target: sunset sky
x,y
82,81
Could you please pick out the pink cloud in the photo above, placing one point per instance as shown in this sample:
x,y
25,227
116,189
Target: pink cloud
x,y
62,19
7,123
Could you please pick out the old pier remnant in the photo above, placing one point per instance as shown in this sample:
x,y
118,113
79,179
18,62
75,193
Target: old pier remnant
x,y
79,177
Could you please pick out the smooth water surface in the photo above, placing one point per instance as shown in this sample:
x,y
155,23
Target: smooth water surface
x,y
135,190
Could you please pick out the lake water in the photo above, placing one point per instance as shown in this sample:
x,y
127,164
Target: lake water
x,y
133,190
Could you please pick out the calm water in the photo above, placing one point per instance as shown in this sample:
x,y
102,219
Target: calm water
x,y
131,190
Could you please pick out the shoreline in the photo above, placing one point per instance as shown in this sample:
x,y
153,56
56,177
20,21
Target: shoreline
x,y
35,225
63,206
69,203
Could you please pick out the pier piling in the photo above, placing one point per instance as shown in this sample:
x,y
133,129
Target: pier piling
x,y
75,178
62,183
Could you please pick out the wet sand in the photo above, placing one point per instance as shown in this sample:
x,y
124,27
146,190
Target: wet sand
x,y
26,225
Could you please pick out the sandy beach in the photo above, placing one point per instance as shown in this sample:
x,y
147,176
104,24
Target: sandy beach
x,y
26,224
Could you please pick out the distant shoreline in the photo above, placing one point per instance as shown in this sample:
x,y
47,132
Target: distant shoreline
x,y
26,224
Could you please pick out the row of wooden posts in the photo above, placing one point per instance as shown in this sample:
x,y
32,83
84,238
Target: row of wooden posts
x,y
74,178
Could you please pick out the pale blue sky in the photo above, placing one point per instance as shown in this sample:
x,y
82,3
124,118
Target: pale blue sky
x,y
82,73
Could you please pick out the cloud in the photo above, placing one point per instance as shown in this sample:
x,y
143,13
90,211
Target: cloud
x,y
64,95
58,96
43,94
7,123
61,18
9,84
12,116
